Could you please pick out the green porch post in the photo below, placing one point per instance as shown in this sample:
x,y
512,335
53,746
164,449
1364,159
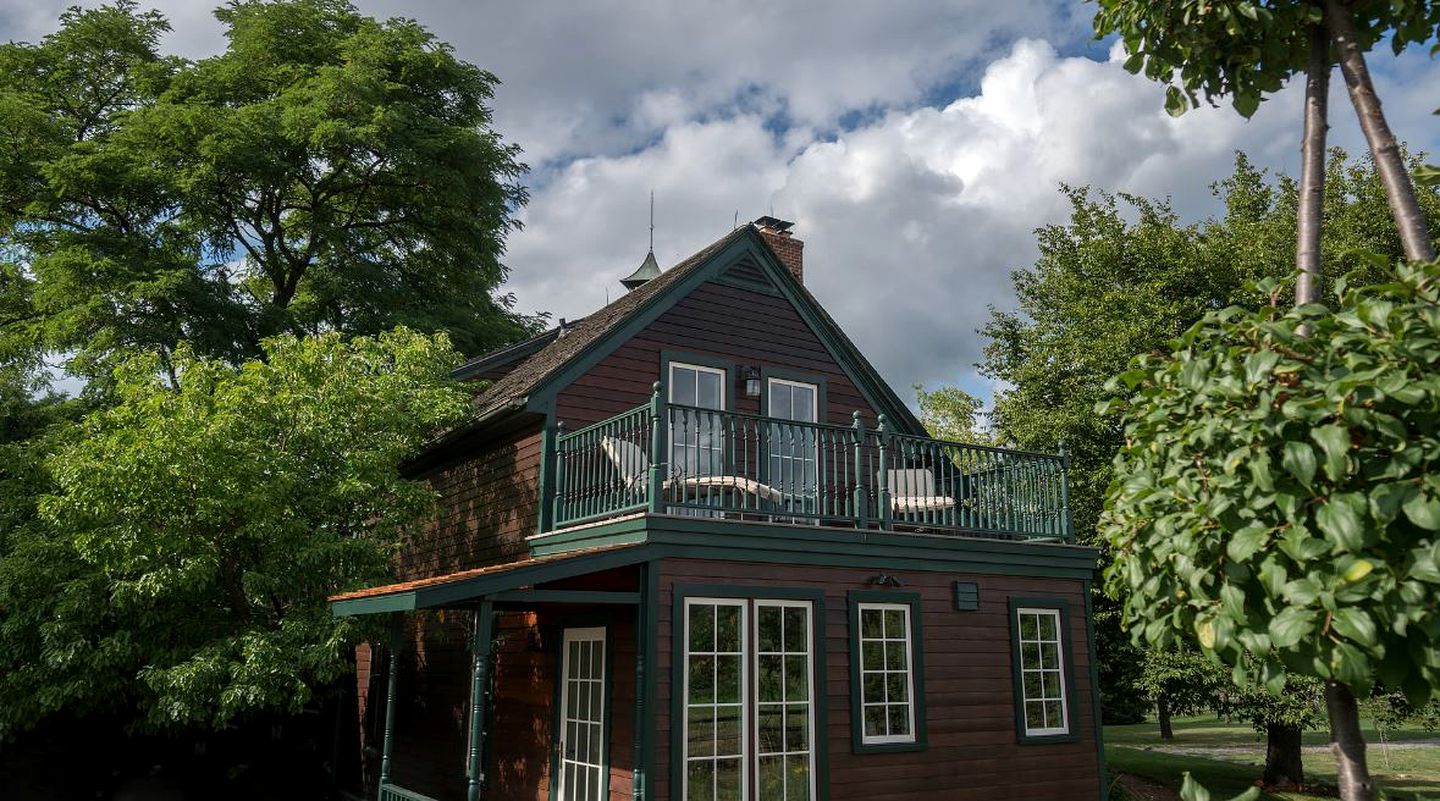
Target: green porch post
x,y
862,503
643,634
658,430
883,478
480,654
396,632
1067,531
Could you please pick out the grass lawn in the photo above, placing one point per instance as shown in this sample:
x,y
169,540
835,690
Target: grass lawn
x,y
1228,758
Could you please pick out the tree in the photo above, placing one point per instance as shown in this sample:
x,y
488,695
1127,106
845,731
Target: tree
x,y
951,413
1277,497
1123,277
1179,681
326,172
192,532
1246,49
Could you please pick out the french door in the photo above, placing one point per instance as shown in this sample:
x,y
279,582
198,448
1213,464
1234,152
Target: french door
x,y
582,747
793,450
749,701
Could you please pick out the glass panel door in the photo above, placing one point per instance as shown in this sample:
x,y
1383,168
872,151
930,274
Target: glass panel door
x,y
794,455
783,701
582,746
715,698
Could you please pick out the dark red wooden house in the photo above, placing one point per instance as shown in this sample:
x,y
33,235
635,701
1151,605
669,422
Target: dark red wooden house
x,y
693,547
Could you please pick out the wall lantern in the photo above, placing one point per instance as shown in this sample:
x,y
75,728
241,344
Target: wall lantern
x,y
752,382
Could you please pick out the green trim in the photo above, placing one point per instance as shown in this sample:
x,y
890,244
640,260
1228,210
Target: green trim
x,y
1095,711
374,605
565,597
646,722
479,678
967,596
749,541
819,743
392,679
1066,651
602,621
917,672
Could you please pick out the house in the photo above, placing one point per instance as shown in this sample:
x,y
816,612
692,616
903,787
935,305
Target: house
x,y
693,547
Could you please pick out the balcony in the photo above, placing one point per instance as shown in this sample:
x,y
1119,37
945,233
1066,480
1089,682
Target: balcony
x,y
678,460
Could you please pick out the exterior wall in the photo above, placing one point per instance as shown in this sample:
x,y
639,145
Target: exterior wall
x,y
741,325
487,508
972,751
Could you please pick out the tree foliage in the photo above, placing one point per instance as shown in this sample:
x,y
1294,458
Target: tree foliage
x,y
325,172
1277,498
953,414
1243,49
192,532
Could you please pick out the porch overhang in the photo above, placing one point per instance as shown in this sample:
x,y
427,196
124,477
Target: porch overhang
x,y
499,583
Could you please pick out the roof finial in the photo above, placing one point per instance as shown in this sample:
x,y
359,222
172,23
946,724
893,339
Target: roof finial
x,y
652,220
649,268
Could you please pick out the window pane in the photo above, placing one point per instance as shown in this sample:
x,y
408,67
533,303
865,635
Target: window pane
x,y
804,404
682,385
727,682
797,678
727,779
770,680
1028,627
1035,714
1032,685
795,629
702,781
707,394
1049,656
779,400
771,729
797,727
701,731
872,655
874,687
797,778
702,627
1051,682
1054,717
727,730
769,628
895,655
1030,655
702,679
1047,628
727,635
872,626
771,781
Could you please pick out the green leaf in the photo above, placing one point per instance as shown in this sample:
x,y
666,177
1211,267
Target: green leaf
x,y
1291,626
1246,103
1335,442
1175,103
1342,519
1246,542
1354,624
1424,511
1299,461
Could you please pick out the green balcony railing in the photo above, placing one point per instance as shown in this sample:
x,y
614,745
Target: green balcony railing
x,y
390,792
664,458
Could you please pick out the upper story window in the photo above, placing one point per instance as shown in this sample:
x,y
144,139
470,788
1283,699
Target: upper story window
x,y
696,446
1041,665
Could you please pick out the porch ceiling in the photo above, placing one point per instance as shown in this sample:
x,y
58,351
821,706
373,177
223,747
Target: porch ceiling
x,y
468,585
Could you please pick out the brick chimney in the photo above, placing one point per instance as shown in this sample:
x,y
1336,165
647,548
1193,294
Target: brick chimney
x,y
790,250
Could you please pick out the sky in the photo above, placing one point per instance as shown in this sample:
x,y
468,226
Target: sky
x,y
917,145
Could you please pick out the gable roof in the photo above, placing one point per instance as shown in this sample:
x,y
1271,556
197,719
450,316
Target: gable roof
x,y
608,327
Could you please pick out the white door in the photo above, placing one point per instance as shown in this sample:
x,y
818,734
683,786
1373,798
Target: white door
x,y
583,750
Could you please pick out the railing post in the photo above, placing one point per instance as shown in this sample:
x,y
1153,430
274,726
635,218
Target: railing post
x,y
1067,532
480,667
882,478
862,511
657,450
396,631
557,515
549,474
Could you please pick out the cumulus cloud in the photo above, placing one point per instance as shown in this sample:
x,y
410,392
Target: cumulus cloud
x,y
912,223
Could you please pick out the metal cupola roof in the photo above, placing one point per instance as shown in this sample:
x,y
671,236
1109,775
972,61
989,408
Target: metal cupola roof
x,y
647,270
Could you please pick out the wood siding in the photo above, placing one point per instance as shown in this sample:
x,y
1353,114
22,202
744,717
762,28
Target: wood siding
x,y
743,326
486,509
972,751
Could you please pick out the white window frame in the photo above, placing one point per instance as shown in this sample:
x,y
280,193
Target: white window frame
x,y
1058,670
745,711
809,685
717,447
861,640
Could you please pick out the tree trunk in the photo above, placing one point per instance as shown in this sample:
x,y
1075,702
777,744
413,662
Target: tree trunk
x,y
1167,732
1283,764
1347,743
1399,191
1310,215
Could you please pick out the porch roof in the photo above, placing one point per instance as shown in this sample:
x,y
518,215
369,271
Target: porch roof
x,y
465,585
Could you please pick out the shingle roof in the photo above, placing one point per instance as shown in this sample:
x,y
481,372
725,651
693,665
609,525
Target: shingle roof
x,y
583,333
